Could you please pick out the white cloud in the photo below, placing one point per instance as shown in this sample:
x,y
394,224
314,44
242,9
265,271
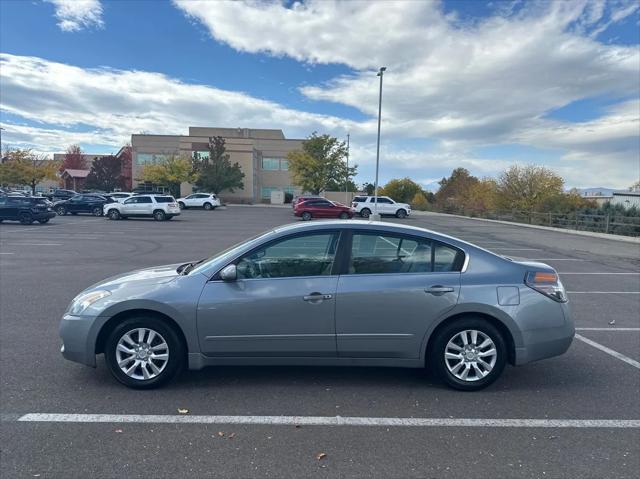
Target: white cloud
x,y
74,15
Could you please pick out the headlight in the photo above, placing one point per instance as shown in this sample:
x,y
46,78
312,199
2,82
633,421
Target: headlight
x,y
82,302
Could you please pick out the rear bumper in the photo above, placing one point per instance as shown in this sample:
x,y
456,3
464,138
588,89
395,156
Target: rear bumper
x,y
545,343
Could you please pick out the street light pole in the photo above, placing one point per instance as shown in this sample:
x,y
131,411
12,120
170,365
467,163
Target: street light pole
x,y
375,204
1,141
346,185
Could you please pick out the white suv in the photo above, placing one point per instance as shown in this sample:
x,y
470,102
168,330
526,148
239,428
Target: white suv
x,y
159,207
364,206
208,201
120,196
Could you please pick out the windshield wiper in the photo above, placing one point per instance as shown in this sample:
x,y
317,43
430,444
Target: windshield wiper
x,y
185,268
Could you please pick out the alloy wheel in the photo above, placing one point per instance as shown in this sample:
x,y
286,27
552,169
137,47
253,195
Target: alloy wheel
x,y
142,353
470,355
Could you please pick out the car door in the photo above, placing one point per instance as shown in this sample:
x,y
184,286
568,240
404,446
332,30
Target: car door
x,y
191,201
394,288
8,208
129,206
144,206
74,204
322,209
282,303
385,206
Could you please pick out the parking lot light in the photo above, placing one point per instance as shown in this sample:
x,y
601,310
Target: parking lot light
x,y
375,216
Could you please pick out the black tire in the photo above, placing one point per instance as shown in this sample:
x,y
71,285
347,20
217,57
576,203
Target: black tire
x,y
436,354
306,216
344,216
207,206
365,212
114,214
74,213
169,218
159,215
401,213
61,211
43,221
182,205
97,211
176,351
26,218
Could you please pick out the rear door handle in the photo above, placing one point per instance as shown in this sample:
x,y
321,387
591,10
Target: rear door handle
x,y
438,290
317,297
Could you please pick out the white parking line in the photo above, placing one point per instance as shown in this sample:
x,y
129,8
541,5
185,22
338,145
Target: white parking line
x,y
515,249
7,253
636,274
554,259
33,244
603,292
329,421
609,351
607,329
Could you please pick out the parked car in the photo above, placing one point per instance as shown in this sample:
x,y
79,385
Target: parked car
x,y
208,201
158,207
25,209
90,203
120,196
364,206
326,293
60,195
321,208
299,199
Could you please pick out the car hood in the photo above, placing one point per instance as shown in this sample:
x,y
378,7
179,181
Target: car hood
x,y
140,277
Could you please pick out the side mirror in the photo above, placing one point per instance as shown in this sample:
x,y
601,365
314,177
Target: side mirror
x,y
229,273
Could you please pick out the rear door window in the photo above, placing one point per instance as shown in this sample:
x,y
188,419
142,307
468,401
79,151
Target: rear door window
x,y
164,199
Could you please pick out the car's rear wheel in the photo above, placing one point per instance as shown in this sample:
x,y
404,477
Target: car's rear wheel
x,y
468,354
401,213
61,210
97,211
182,205
159,215
365,213
113,214
207,206
344,216
306,216
144,352
26,218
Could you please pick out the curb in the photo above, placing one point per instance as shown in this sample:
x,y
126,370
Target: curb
x,y
260,205
624,239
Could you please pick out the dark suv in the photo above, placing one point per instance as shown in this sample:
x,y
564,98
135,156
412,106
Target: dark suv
x,y
25,209
60,195
85,203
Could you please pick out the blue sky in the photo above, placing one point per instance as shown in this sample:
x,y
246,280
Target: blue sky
x,y
465,86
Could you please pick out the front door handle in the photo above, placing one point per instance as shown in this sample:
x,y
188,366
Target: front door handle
x,y
317,297
439,290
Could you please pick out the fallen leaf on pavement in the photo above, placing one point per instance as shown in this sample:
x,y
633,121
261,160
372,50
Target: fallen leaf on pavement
x,y
183,411
232,435
220,433
118,430
321,455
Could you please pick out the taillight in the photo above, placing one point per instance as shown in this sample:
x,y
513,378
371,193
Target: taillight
x,y
546,283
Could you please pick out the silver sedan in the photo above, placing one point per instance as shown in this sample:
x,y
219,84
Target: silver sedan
x,y
326,293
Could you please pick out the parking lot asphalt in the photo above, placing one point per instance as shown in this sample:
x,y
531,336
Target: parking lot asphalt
x,y
42,267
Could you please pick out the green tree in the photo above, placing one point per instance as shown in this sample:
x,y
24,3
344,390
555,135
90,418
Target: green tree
x,y
402,190
369,188
419,202
481,196
175,170
528,188
23,167
320,165
216,173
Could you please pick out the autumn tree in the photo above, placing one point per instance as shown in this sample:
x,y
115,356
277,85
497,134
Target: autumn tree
x,y
320,165
175,170
73,159
482,196
24,167
216,173
528,187
450,196
105,174
419,202
402,190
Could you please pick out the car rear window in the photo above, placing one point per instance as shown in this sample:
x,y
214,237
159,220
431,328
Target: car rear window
x,y
359,199
164,199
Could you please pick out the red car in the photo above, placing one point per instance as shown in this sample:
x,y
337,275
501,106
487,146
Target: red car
x,y
321,208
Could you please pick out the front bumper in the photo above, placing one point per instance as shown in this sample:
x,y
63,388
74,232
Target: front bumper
x,y
78,335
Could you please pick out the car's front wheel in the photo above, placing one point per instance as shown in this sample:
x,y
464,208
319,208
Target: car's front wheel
x,y
61,210
26,218
113,214
401,213
344,216
306,216
182,205
43,221
468,354
144,352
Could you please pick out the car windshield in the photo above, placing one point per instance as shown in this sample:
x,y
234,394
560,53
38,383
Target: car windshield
x,y
203,266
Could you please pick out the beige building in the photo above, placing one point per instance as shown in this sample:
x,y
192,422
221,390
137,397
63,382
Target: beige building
x,y
261,155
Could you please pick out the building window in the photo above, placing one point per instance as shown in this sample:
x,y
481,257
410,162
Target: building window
x,y
266,191
150,158
272,164
284,164
200,155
